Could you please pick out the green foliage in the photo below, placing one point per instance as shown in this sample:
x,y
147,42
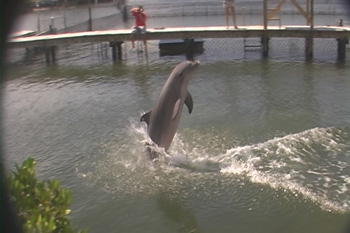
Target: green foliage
x,y
41,206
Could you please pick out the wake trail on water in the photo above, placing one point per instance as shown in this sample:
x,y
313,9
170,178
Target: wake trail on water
x,y
313,163
307,167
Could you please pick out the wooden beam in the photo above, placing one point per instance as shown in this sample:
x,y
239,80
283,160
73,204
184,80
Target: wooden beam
x,y
178,33
276,9
311,21
301,10
308,11
265,14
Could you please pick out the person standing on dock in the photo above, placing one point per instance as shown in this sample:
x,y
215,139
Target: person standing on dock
x,y
229,5
140,23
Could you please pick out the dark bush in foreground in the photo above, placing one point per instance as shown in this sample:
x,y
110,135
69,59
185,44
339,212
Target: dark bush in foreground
x,y
41,206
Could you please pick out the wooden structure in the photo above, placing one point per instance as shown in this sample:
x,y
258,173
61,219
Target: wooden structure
x,y
117,37
189,34
177,47
307,13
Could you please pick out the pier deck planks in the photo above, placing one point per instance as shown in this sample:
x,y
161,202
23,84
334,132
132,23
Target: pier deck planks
x,y
336,32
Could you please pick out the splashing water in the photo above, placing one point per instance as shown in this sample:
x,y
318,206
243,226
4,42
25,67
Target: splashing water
x,y
312,165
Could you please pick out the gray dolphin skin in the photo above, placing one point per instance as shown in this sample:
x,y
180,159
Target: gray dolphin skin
x,y
163,119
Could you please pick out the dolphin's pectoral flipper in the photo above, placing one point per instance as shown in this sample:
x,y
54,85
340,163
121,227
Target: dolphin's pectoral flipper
x,y
176,109
189,102
146,117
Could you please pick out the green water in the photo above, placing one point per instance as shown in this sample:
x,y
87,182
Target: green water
x,y
266,149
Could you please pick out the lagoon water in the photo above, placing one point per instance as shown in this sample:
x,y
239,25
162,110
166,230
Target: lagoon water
x,y
266,149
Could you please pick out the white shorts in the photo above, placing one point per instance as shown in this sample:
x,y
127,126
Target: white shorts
x,y
228,3
139,30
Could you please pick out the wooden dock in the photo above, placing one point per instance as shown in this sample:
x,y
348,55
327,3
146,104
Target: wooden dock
x,y
117,37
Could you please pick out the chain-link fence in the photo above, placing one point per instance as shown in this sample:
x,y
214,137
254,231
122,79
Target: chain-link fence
x,y
108,16
104,16
203,7
94,17
214,50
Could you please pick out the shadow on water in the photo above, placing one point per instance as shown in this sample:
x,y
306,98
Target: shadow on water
x,y
182,217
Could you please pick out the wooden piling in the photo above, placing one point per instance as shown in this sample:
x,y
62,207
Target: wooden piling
x,y
265,46
309,47
342,49
50,55
189,44
119,46
53,55
309,40
117,52
47,56
265,38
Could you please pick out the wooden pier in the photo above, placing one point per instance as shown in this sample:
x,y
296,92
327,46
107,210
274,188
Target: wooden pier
x,y
117,37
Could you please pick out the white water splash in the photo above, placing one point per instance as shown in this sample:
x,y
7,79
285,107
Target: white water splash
x,y
285,163
304,164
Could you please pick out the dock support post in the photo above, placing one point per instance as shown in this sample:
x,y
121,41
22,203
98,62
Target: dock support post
x,y
265,46
116,50
53,54
47,56
114,53
265,39
189,44
309,47
50,55
309,40
342,49
119,45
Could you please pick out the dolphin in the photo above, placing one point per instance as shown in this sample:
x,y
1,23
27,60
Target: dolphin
x,y
162,120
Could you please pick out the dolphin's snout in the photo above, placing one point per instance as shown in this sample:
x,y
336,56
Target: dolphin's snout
x,y
194,64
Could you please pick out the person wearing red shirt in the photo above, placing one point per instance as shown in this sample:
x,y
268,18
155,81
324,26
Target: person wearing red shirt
x,y
140,23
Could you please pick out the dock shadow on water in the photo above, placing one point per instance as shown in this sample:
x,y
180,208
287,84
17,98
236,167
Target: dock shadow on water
x,y
308,167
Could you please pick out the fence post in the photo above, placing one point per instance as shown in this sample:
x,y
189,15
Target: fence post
x,y
309,40
38,24
64,18
265,14
243,14
125,13
90,20
265,39
342,49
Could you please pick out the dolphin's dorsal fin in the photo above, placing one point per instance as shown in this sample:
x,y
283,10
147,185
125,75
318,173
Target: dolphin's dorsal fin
x,y
189,102
146,117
